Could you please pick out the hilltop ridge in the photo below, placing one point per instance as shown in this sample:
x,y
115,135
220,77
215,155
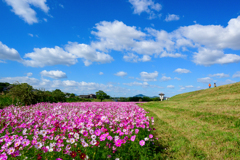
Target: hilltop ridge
x,y
227,92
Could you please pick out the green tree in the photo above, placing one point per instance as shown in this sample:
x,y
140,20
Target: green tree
x,y
72,95
58,96
102,95
23,92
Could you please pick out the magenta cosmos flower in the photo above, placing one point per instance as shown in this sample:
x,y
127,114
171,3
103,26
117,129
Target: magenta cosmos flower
x,y
142,142
150,136
133,138
118,143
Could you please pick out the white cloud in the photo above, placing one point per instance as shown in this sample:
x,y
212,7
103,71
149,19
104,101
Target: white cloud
x,y
131,58
189,86
220,75
134,58
29,74
204,80
7,53
45,19
170,86
182,88
69,85
121,74
30,34
146,58
87,53
136,84
61,5
54,74
49,56
171,17
228,81
173,55
58,56
209,57
182,70
214,36
116,35
177,78
145,6
236,75
23,10
131,77
164,78
145,76
100,73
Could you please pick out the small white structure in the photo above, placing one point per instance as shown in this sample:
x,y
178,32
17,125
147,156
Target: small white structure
x,y
161,96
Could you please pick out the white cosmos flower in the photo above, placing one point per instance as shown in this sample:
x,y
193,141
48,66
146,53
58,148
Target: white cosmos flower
x,y
50,149
93,136
38,145
72,140
146,139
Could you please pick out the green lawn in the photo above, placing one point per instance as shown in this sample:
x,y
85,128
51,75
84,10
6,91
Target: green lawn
x,y
204,124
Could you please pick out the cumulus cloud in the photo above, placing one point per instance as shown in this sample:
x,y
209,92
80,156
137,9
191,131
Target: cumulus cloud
x,y
115,35
29,74
7,53
54,74
173,55
147,6
236,75
87,53
135,58
219,75
228,81
145,76
189,86
209,57
214,36
58,56
121,74
177,78
164,78
204,80
171,17
49,56
170,86
136,84
182,70
22,9
100,73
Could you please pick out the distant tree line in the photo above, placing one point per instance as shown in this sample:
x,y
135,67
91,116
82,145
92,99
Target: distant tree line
x,y
25,94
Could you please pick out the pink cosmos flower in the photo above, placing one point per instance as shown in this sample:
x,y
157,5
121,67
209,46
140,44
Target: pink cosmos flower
x,y
133,138
110,138
34,142
102,137
118,143
142,142
97,132
10,150
150,136
136,131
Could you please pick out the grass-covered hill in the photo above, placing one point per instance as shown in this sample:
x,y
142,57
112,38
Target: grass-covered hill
x,y
204,124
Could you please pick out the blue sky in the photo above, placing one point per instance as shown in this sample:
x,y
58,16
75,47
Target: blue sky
x,y
123,47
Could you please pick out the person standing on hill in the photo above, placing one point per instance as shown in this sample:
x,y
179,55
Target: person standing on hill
x,y
215,85
209,85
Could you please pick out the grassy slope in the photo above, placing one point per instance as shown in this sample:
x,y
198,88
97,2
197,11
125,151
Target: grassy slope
x,y
204,124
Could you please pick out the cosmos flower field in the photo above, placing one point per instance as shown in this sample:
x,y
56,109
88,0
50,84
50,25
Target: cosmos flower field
x,y
89,130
